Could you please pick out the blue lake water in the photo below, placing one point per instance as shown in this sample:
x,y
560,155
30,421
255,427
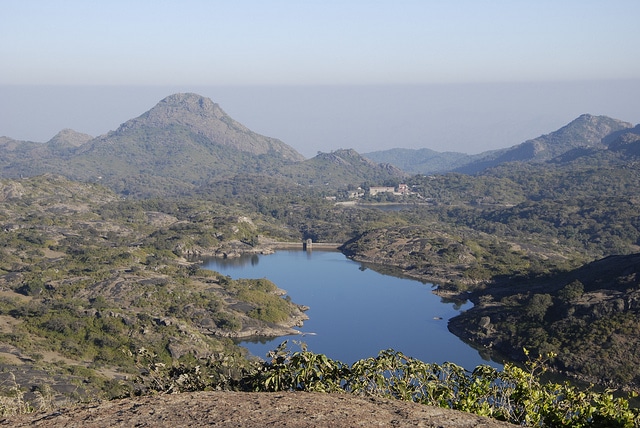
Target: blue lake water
x,y
355,312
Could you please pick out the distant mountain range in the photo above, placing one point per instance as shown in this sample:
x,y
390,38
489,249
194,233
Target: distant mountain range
x,y
585,135
184,141
187,141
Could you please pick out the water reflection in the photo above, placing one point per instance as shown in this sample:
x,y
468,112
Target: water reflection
x,y
390,271
457,303
234,262
355,310
258,340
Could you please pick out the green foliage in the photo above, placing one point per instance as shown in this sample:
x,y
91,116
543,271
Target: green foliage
x,y
515,394
586,316
87,274
67,246
571,291
268,307
538,305
299,371
12,398
221,371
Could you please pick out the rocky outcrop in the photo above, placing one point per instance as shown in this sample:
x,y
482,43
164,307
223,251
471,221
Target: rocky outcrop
x,y
588,317
254,410
205,118
252,328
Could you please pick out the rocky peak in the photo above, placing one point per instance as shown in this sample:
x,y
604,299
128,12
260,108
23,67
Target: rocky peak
x,y
69,138
585,132
588,130
346,156
189,109
200,116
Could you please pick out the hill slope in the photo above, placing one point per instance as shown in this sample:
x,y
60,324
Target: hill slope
x,y
582,136
588,316
180,142
183,142
585,133
341,168
421,161
85,275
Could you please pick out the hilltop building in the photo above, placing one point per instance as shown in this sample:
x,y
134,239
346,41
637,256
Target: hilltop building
x,y
402,189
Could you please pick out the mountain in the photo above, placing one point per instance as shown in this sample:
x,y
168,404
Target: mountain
x,y
206,122
585,135
186,141
27,158
68,139
421,161
341,168
65,141
14,149
586,131
183,143
627,142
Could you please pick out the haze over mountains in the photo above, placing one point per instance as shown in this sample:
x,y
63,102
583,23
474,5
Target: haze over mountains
x,y
182,141
187,140
584,135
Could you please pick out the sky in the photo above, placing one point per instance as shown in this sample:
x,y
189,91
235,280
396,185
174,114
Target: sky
x,y
459,75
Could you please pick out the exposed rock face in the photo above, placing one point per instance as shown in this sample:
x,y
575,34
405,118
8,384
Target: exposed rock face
x,y
11,190
249,410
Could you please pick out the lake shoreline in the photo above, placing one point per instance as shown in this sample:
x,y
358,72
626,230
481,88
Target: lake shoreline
x,y
337,292
266,246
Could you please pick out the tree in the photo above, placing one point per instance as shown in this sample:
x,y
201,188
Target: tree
x,y
538,305
571,291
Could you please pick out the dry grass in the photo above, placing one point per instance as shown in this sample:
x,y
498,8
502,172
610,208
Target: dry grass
x,y
13,401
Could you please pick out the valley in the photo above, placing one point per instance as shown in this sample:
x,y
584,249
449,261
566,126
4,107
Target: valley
x,y
100,239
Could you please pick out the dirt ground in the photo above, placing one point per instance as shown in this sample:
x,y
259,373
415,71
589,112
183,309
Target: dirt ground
x,y
248,410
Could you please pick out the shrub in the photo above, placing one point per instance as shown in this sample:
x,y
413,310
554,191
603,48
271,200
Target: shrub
x,y
515,394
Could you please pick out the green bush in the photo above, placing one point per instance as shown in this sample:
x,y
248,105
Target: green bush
x,y
269,307
515,394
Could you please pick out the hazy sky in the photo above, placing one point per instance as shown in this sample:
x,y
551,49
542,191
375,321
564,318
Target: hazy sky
x,y
409,69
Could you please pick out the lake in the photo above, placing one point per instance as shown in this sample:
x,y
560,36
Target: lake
x,y
355,312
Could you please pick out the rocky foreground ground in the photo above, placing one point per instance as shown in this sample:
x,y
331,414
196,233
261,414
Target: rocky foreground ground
x,y
248,410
